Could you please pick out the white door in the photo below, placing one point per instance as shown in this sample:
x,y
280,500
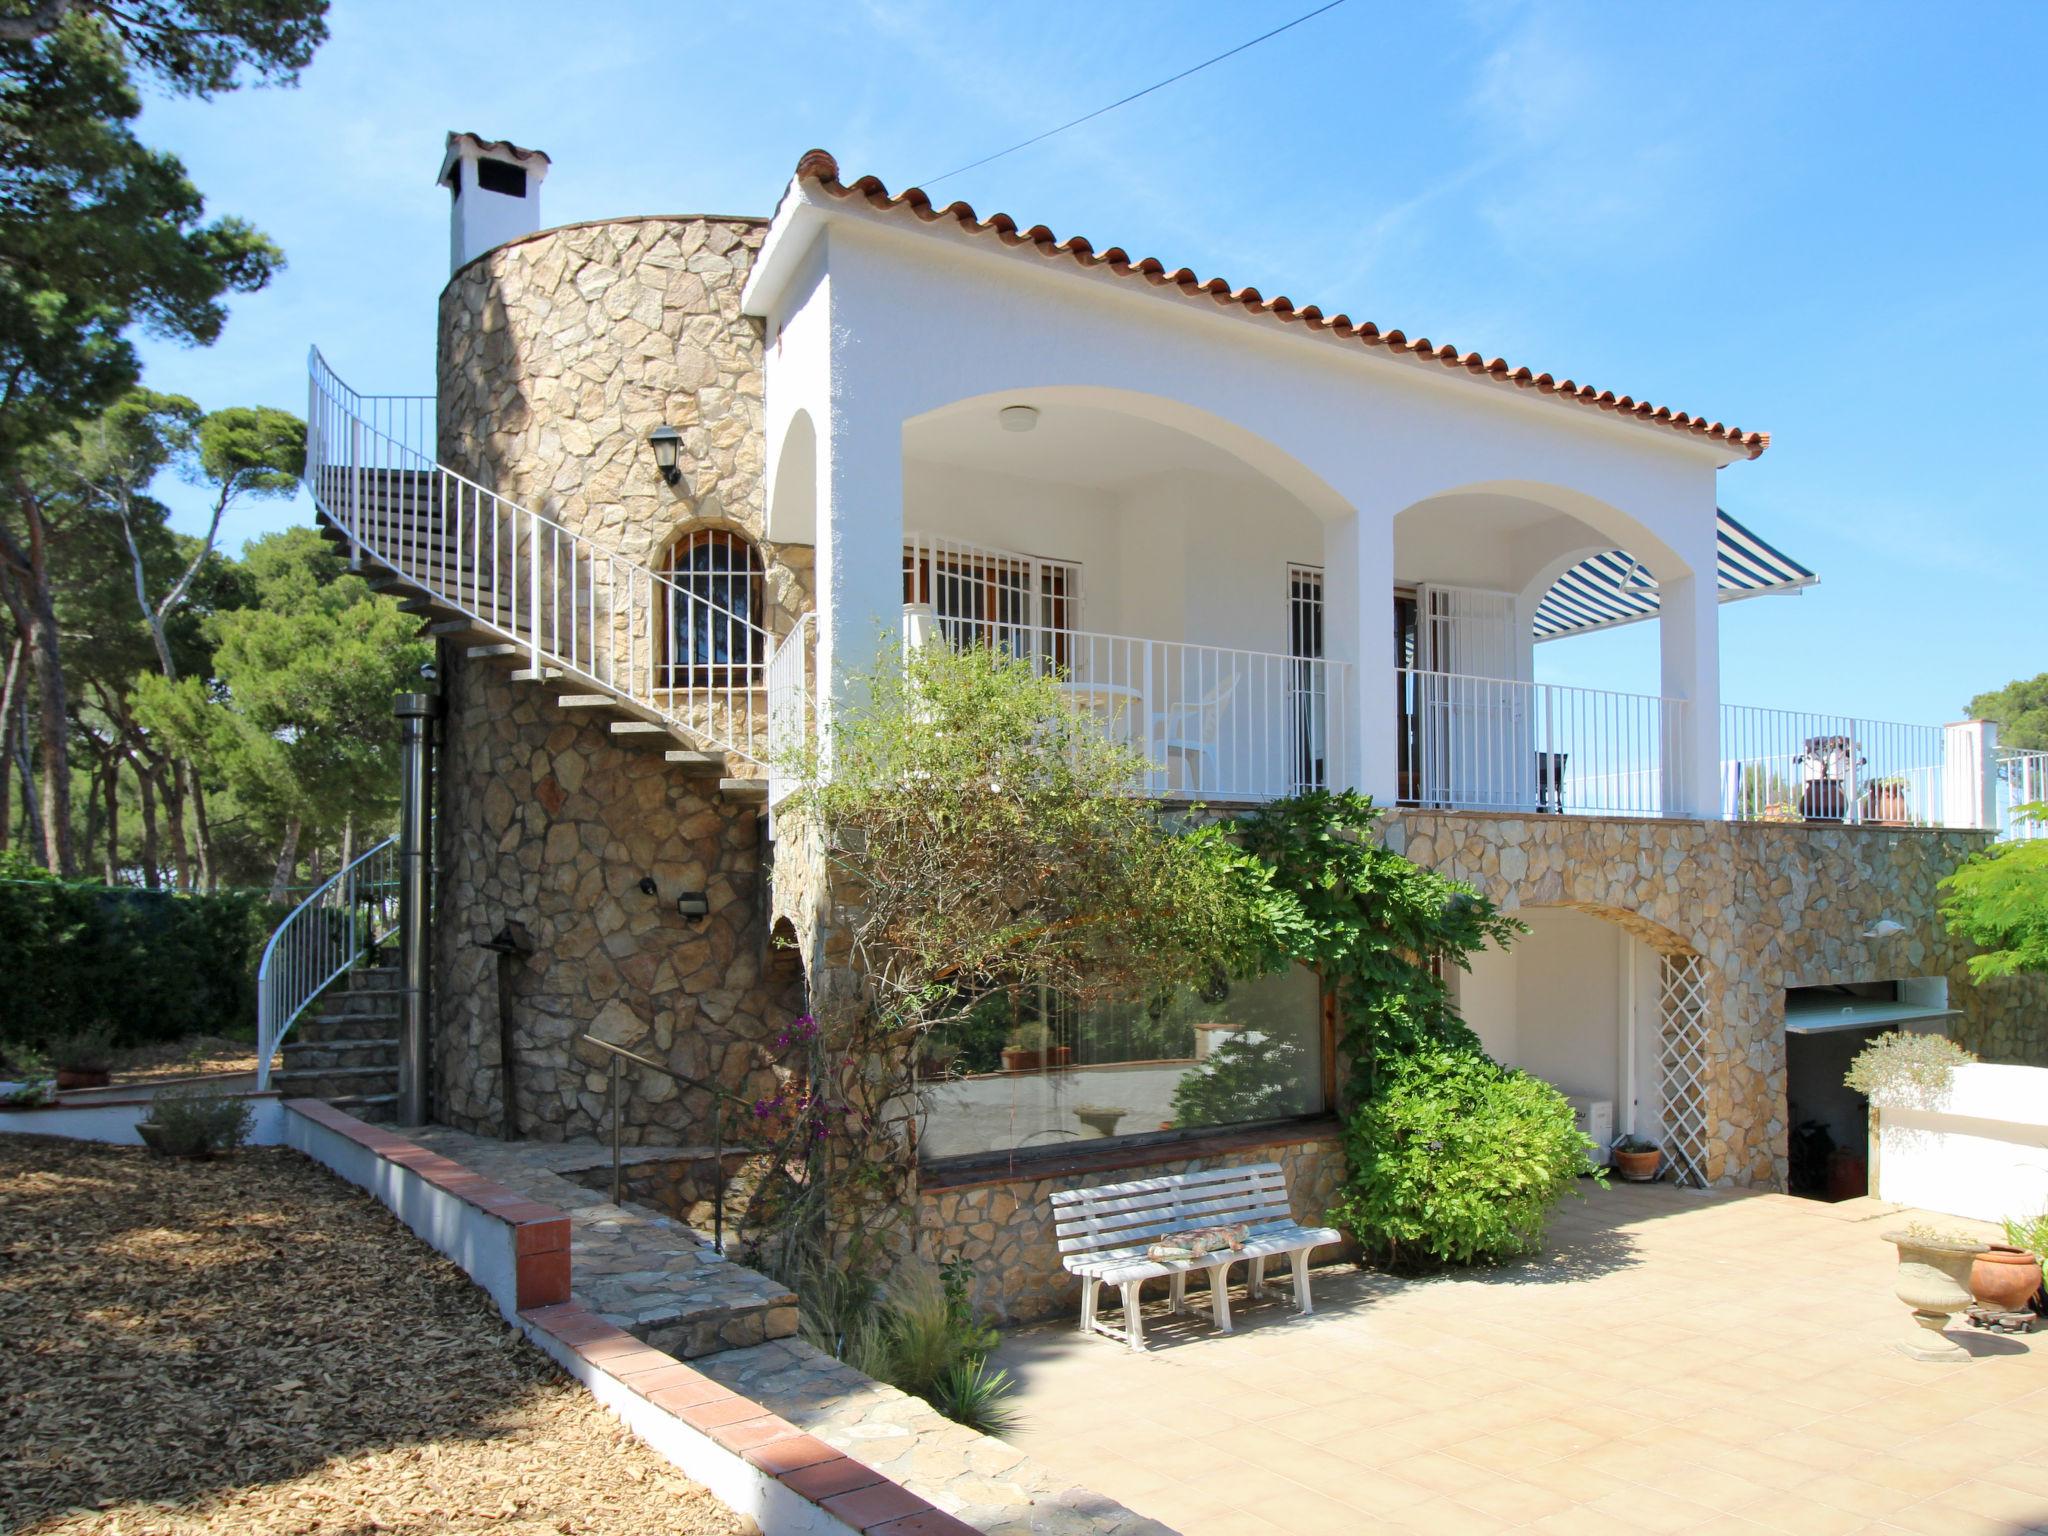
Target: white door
x,y
1473,735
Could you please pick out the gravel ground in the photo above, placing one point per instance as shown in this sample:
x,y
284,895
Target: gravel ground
x,y
252,1345
191,1056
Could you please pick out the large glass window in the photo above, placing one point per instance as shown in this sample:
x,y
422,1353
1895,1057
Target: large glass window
x,y
1026,1069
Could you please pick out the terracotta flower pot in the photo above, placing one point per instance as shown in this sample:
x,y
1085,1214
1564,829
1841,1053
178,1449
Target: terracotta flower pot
x,y
1934,1280
83,1077
1638,1167
1017,1059
2005,1279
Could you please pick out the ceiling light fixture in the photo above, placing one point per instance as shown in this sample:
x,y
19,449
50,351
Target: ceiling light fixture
x,y
1018,418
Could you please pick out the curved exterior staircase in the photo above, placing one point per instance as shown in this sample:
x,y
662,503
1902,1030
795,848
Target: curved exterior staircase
x,y
520,591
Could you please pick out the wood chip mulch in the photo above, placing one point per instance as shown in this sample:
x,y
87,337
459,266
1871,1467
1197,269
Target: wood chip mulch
x,y
252,1345
193,1056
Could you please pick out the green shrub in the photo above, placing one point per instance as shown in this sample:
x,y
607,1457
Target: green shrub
x,y
2030,1233
1904,1070
147,965
1457,1160
919,1334
196,1123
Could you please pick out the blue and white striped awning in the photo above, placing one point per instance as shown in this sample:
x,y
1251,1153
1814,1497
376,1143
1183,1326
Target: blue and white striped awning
x,y
1612,589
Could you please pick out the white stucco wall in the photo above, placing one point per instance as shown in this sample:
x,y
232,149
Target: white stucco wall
x,y
1563,1004
1983,1154
920,320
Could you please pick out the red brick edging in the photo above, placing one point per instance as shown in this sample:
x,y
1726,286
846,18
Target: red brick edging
x,y
850,1491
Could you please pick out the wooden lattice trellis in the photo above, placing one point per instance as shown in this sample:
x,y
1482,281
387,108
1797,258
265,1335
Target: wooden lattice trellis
x,y
1682,1064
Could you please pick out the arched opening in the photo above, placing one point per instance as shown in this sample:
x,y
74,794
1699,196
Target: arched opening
x,y
1611,1010
1165,564
1479,726
713,635
793,484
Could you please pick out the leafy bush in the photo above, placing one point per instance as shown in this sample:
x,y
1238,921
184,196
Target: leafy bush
x,y
1457,1160
1901,1070
196,1123
86,1050
919,1334
2029,1233
147,965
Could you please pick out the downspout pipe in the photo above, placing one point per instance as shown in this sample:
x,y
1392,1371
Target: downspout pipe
x,y
416,713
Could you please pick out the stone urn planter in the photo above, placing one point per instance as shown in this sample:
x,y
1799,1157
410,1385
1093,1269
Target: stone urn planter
x,y
1934,1280
2004,1278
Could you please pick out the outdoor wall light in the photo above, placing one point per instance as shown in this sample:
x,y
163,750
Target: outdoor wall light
x,y
667,444
1884,928
648,887
693,904
429,672
1018,418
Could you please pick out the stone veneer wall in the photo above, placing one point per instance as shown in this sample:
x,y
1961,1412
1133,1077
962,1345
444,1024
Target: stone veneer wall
x,y
558,354
544,821
1003,1225
1768,906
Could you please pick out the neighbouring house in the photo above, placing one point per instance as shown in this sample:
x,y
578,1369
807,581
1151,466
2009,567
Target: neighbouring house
x,y
681,474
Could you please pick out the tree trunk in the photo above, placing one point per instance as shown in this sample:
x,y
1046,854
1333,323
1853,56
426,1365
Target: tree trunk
x,y
202,831
287,861
31,812
25,583
111,789
174,818
56,725
9,725
145,794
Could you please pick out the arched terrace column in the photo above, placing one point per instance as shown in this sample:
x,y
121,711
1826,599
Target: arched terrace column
x,y
1688,638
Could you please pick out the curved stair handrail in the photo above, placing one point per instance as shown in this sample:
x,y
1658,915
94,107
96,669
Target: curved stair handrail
x,y
320,939
579,611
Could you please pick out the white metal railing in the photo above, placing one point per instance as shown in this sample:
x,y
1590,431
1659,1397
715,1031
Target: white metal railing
x,y
2023,781
1213,722
1488,743
792,699
322,937
1786,765
659,642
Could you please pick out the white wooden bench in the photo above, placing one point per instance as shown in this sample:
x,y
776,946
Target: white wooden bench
x,y
1104,1232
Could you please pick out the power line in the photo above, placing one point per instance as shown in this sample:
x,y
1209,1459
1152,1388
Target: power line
x,y
1126,101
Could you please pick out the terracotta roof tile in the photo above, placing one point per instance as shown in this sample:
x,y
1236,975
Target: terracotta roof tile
x,y
821,168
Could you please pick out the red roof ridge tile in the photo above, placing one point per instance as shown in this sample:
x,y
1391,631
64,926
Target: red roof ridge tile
x,y
819,166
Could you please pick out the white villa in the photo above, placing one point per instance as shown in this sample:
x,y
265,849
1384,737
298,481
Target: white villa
x,y
683,474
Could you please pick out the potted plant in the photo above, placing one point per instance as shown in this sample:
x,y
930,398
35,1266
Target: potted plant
x,y
2028,1239
84,1060
1030,1049
27,1083
935,1058
195,1123
1637,1159
1934,1280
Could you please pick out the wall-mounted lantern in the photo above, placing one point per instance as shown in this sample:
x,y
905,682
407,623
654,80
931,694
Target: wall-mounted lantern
x,y
693,904
667,444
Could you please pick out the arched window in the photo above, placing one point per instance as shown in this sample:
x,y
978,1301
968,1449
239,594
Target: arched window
x,y
716,638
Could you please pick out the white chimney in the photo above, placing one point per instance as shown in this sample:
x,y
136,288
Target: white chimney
x,y
494,189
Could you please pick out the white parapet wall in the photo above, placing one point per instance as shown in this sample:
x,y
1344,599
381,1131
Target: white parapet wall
x,y
1983,1154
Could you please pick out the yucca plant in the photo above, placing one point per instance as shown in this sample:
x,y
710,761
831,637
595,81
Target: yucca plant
x,y
970,1393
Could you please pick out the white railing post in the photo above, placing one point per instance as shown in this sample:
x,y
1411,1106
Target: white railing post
x,y
1969,774
533,593
355,494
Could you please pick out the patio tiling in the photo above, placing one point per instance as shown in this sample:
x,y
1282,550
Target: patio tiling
x,y
1677,1361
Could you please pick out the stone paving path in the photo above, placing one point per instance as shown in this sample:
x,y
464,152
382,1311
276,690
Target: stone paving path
x,y
661,1281
988,1483
641,1271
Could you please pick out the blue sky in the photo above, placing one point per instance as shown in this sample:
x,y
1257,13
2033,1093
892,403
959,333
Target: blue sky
x,y
1826,221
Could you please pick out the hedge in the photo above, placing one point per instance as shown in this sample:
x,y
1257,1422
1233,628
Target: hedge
x,y
148,965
